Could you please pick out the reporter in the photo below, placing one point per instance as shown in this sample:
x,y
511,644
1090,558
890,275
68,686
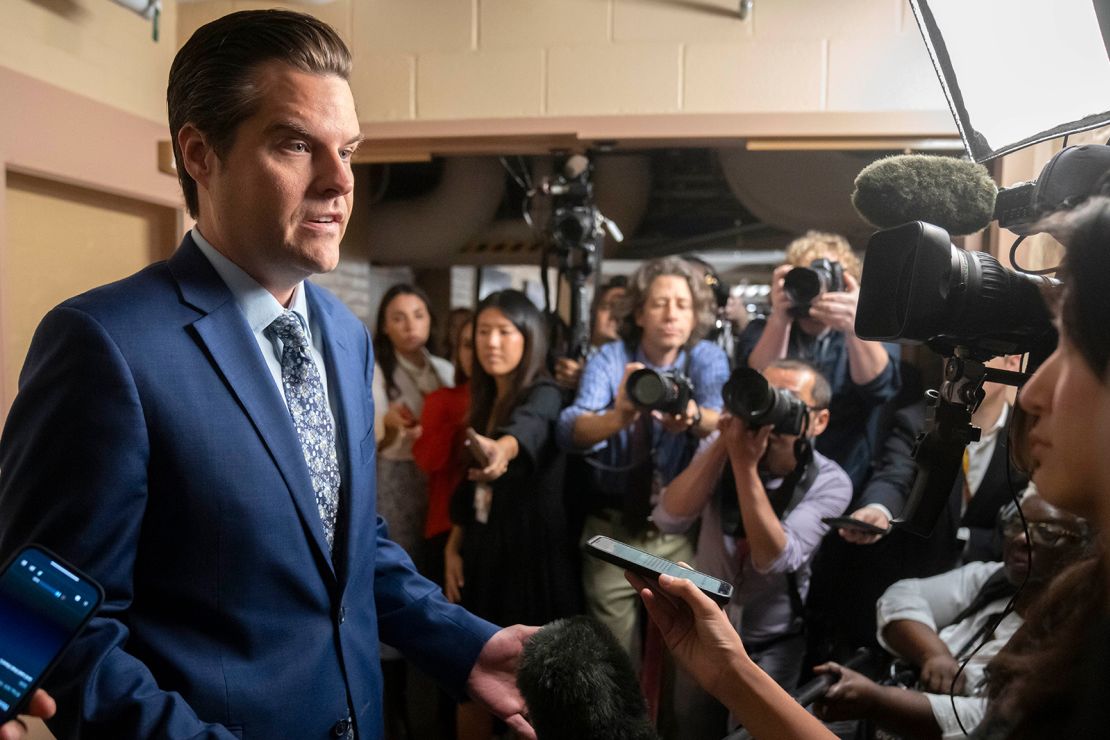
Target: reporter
x,y
704,643
42,706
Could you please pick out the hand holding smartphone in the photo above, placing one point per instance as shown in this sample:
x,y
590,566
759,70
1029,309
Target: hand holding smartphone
x,y
474,444
44,605
651,566
847,522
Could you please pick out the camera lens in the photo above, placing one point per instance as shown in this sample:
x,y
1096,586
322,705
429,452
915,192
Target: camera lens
x,y
802,285
648,388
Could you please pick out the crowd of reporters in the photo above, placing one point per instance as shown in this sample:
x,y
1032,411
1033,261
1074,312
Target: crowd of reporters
x,y
495,471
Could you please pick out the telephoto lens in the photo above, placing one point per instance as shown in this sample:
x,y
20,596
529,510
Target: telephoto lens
x,y
749,396
666,392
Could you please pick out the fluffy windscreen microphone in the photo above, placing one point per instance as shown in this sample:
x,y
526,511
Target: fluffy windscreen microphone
x,y
951,193
579,684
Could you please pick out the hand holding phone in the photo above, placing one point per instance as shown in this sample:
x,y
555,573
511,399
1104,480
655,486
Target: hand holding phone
x,y
651,566
474,445
848,522
44,605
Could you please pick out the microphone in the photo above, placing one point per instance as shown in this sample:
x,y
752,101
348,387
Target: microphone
x,y
579,683
954,194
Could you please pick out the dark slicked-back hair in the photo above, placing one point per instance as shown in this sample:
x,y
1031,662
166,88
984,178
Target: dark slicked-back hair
x,y
213,77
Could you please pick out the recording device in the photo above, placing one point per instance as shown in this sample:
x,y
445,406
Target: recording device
x,y
651,567
961,198
748,395
668,392
575,236
44,605
804,285
847,522
918,287
579,683
474,445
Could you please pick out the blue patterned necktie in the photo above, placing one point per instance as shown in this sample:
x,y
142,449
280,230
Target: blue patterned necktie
x,y
304,395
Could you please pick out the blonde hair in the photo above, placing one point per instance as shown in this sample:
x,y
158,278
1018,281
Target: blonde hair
x,y
817,244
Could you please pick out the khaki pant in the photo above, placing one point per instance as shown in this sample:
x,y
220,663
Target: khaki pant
x,y
609,598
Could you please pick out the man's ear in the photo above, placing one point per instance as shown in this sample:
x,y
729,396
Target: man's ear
x,y
818,421
198,158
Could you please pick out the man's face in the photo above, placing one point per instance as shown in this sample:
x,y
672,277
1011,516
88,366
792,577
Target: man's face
x,y
779,459
278,202
605,323
667,317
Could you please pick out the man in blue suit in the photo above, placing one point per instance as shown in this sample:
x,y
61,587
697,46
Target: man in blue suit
x,y
199,438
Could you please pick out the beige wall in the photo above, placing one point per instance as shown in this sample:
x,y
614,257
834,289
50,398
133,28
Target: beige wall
x,y
426,60
92,47
63,240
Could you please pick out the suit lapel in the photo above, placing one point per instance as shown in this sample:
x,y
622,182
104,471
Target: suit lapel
x,y
234,352
348,393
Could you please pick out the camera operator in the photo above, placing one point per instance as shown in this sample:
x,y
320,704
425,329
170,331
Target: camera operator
x,y
634,451
783,489
603,329
863,374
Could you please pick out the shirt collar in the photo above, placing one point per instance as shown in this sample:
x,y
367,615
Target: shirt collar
x,y
679,359
257,304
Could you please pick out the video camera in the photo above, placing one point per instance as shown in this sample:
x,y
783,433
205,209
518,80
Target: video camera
x,y
575,235
748,396
668,392
804,285
918,287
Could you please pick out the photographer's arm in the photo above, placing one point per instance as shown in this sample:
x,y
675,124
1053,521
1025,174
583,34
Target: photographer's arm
x,y
766,537
687,494
866,360
775,339
591,428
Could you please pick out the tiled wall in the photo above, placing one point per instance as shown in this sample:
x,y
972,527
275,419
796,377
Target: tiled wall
x,y
458,59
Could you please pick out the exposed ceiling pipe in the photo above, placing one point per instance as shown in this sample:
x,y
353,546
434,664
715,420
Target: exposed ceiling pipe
x,y
430,228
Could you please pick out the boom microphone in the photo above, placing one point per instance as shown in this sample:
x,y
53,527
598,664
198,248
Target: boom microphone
x,y
951,193
579,683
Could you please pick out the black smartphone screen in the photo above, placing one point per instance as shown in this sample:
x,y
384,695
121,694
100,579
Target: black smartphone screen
x,y
43,605
650,566
847,522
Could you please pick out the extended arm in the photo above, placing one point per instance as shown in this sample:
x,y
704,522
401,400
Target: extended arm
x,y
688,493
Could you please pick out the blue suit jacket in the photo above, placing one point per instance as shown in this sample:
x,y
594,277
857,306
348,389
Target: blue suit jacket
x,y
149,444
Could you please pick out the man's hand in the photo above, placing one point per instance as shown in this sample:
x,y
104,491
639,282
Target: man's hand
x,y
623,404
853,696
695,629
838,310
746,447
568,372
780,301
678,423
937,673
870,515
42,706
492,681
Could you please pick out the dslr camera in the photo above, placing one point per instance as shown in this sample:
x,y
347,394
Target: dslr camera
x,y
749,396
667,392
804,285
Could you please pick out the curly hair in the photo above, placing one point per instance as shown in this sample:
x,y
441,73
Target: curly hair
x,y
816,244
639,285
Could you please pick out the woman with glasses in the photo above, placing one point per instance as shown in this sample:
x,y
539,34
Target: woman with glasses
x,y
960,618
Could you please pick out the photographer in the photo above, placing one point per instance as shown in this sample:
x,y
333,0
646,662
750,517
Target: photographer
x,y
783,489
863,374
937,623
603,329
635,451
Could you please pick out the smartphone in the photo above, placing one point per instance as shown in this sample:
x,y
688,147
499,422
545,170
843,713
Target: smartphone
x,y
44,604
650,566
475,447
847,522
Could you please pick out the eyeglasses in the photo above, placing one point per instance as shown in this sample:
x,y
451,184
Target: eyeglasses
x,y
1042,534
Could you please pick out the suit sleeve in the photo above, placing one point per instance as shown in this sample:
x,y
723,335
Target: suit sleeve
x,y
74,456
895,468
441,638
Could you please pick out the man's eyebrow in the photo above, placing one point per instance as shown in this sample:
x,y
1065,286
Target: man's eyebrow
x,y
292,127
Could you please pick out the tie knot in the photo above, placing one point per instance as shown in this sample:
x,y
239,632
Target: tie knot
x,y
287,327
